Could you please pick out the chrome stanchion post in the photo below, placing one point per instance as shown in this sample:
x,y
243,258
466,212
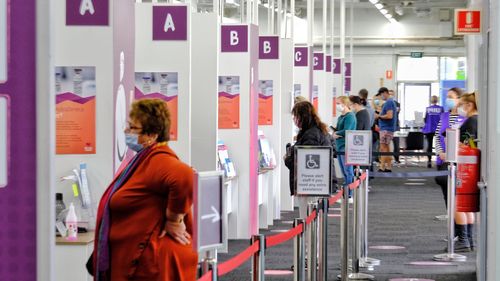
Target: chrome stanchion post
x,y
356,243
366,262
344,234
299,260
209,263
258,260
213,266
451,256
312,244
323,234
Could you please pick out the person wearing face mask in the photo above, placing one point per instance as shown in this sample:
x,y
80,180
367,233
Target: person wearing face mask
x,y
387,122
144,220
362,115
432,115
345,122
468,131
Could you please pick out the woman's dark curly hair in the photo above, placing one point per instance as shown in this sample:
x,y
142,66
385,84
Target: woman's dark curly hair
x,y
154,116
307,117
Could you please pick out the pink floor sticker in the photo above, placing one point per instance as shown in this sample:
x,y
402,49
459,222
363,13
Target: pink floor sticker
x,y
278,272
409,279
334,215
430,263
387,247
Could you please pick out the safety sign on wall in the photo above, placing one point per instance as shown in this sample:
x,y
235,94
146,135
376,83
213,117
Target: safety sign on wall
x,y
358,148
313,170
209,211
467,21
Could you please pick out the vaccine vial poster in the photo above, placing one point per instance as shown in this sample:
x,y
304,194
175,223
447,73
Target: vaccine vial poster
x,y
3,41
265,102
229,102
160,85
315,97
75,110
4,141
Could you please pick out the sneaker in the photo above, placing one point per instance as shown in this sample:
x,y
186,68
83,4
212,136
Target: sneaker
x,y
351,200
460,246
387,171
429,165
381,171
441,217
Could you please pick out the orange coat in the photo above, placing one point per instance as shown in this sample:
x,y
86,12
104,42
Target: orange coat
x,y
138,214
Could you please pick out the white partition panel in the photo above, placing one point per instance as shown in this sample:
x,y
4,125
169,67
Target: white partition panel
x,y
319,78
303,71
163,54
328,96
236,60
204,87
337,84
287,73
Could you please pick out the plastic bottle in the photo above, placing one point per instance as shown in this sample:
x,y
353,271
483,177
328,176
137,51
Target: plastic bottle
x,y
78,81
60,206
146,85
58,83
164,84
71,223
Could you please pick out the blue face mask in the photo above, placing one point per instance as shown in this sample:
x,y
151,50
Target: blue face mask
x,y
132,141
450,103
376,102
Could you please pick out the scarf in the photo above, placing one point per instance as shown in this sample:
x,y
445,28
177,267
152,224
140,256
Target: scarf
x,y
101,243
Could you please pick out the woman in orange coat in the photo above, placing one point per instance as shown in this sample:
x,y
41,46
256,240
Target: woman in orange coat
x,y
144,220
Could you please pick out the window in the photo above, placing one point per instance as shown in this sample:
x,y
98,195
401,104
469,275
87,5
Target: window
x,y
453,68
418,69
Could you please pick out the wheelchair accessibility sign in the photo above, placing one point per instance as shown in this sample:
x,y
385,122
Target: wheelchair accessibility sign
x,y
358,148
313,170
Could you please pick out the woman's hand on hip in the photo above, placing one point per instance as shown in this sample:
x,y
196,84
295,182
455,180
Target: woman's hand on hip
x,y
177,230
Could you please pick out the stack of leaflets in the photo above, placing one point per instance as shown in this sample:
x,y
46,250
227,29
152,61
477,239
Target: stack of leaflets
x,y
225,162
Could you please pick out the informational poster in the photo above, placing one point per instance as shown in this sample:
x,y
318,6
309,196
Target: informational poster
x,y
267,158
265,102
313,170
334,101
229,102
358,148
315,95
4,141
225,161
3,41
160,85
75,110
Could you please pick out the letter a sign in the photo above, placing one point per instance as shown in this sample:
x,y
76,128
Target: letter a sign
x,y
234,38
170,22
269,47
87,12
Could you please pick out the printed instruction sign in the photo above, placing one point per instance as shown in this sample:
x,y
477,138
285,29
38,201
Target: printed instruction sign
x,y
4,140
265,102
160,85
75,110
229,102
358,148
313,170
3,41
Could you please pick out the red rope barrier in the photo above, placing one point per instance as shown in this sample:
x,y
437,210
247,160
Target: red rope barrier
x,y
236,261
311,217
206,277
274,240
363,176
334,199
354,185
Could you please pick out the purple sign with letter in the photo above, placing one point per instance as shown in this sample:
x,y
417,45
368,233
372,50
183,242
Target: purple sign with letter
x,y
170,23
319,61
336,66
269,47
87,12
234,38
348,69
348,84
301,54
328,67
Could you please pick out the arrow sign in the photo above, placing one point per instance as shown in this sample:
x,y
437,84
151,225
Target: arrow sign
x,y
215,215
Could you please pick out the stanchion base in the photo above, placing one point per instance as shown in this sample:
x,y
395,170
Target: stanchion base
x,y
370,261
361,276
450,257
366,266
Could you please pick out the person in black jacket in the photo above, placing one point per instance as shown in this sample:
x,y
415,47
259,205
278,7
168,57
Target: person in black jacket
x,y
362,115
311,132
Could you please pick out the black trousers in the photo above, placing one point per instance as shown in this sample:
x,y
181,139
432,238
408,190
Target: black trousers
x,y
429,139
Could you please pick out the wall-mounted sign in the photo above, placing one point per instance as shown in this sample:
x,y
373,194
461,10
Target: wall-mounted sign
x,y
358,148
348,84
87,12
467,21
234,38
265,102
416,55
209,211
229,102
336,66
301,56
328,67
75,110
269,47
347,68
313,170
388,74
315,94
170,23
4,139
3,41
319,61
160,85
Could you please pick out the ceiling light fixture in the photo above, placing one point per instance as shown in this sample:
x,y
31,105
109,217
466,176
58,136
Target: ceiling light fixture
x,y
379,6
388,16
374,1
384,11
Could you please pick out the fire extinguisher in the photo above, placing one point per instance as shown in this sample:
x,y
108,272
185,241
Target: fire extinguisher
x,y
467,191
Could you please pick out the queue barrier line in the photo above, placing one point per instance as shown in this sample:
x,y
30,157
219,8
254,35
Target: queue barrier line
x,y
335,198
430,174
354,184
236,261
311,217
277,239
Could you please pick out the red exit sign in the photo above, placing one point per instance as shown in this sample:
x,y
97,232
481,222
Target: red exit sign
x,y
467,21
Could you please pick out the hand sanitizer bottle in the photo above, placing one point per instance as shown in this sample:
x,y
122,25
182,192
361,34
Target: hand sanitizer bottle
x,y
71,223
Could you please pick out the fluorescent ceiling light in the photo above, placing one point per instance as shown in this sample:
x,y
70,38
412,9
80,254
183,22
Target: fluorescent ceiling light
x,y
388,16
392,20
383,11
379,6
374,1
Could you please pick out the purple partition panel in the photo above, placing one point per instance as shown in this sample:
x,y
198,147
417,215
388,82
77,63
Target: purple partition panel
x,y
87,12
234,38
269,47
123,76
254,121
18,197
319,61
301,56
348,69
170,23
328,67
336,66
348,84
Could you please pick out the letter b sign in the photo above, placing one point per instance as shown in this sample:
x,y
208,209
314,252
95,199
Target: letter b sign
x,y
234,38
268,47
